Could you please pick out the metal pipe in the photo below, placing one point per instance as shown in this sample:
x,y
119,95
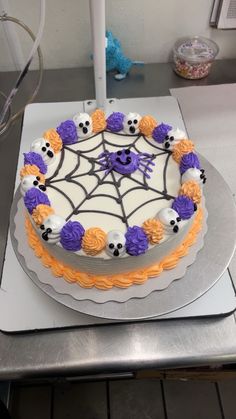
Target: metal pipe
x,y
97,16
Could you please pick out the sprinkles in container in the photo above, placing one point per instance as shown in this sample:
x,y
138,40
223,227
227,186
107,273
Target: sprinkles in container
x,y
193,57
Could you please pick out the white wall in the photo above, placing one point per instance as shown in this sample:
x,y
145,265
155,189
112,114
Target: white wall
x,y
146,28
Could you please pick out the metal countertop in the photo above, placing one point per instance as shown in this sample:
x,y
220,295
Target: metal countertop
x,y
120,347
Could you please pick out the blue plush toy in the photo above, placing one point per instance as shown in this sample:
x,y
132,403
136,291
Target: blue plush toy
x,y
115,59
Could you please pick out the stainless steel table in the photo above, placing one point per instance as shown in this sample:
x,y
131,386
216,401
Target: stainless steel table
x,y
120,347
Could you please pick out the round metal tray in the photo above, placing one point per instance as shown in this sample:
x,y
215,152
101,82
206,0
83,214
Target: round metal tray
x,y
211,262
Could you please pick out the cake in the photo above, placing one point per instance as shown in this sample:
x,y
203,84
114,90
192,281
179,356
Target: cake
x,y
111,201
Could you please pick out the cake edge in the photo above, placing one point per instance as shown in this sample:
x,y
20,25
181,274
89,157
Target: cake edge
x,y
105,282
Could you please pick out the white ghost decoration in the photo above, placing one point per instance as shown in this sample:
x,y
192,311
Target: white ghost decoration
x,y
115,243
131,123
43,147
51,228
83,124
170,219
173,137
194,174
31,181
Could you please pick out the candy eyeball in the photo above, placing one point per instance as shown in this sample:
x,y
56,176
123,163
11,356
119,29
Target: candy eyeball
x,y
31,181
170,219
51,228
115,243
173,137
131,123
83,124
43,147
195,174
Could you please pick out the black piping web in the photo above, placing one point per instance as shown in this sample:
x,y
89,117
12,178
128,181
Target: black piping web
x,y
101,178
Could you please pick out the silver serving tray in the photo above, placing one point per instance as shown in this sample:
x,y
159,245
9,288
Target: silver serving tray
x,y
212,260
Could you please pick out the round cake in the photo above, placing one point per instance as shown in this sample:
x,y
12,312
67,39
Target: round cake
x,y
112,201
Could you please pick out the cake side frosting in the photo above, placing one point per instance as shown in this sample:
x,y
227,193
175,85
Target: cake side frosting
x,y
105,282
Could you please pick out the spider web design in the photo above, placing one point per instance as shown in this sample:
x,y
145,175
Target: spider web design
x,y
96,169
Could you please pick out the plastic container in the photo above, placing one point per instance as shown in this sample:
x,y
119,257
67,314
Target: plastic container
x,y
193,57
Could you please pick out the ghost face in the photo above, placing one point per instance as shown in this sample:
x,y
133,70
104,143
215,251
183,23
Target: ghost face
x,y
131,123
170,220
51,228
196,175
83,124
42,147
173,137
115,243
31,181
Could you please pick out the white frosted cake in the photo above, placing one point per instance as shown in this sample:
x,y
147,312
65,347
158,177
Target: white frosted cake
x,y
111,202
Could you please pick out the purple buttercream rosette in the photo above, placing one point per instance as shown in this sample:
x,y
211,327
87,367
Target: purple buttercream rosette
x,y
160,132
71,236
67,132
115,122
136,241
189,161
36,159
34,197
184,206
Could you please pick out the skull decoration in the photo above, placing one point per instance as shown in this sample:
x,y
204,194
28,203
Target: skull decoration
x,y
195,174
126,162
173,137
170,220
31,181
52,227
83,124
131,123
43,147
115,243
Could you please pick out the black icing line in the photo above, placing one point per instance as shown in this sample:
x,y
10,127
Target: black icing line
x,y
82,152
143,204
163,194
62,193
121,134
103,195
75,168
135,188
100,212
58,167
80,140
77,184
75,211
124,217
165,173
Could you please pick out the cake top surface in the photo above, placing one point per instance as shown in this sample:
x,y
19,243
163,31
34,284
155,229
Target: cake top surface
x,y
93,183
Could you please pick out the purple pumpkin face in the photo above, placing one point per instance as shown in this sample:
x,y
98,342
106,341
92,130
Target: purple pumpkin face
x,y
124,161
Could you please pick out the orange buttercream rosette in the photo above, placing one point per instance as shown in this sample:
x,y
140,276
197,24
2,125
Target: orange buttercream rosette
x,y
147,125
40,213
154,230
54,139
181,148
98,120
192,190
31,169
94,241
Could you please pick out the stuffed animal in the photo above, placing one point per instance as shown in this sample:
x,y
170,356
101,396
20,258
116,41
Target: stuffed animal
x,y
115,59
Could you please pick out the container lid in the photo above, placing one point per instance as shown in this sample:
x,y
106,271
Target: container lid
x,y
196,49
